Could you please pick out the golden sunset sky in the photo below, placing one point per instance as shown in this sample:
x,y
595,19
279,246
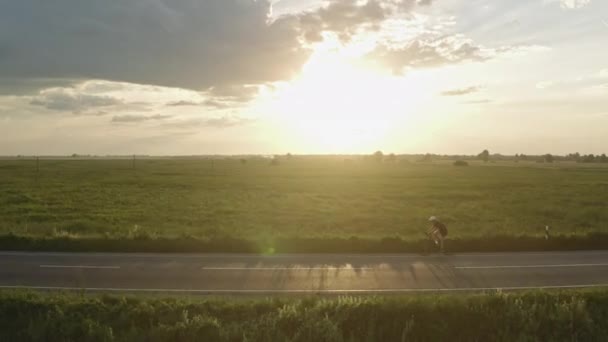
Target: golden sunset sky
x,y
303,76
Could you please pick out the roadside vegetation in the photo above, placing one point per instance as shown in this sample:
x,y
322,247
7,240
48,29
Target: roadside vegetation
x,y
301,204
518,316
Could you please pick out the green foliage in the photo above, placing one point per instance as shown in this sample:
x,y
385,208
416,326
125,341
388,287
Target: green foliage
x,y
484,155
306,204
519,316
461,163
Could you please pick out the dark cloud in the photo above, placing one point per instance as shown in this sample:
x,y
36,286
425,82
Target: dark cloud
x,y
138,118
31,86
233,93
181,43
218,104
184,104
68,100
461,91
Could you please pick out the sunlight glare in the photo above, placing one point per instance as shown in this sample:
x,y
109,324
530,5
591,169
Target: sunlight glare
x,y
341,105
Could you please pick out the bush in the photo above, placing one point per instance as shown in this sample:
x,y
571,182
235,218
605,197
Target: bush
x,y
461,163
518,316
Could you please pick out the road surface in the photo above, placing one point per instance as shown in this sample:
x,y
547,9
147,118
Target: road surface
x,y
301,273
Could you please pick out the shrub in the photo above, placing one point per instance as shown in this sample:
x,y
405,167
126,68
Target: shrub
x,y
518,316
461,163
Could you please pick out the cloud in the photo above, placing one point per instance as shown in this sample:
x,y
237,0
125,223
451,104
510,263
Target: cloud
x,y
225,121
342,17
218,104
130,118
346,17
215,122
234,93
183,43
574,4
482,101
31,86
91,97
427,52
544,84
461,91
570,4
592,81
221,97
189,44
601,86
70,100
184,103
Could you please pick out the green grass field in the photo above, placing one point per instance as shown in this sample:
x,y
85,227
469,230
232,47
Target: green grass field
x,y
522,316
319,198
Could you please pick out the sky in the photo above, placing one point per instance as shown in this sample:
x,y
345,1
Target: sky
x,y
184,77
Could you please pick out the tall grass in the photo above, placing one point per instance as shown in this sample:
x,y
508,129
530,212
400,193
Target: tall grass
x,y
187,244
529,316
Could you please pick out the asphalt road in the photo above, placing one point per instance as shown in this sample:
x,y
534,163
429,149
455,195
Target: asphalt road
x,y
298,273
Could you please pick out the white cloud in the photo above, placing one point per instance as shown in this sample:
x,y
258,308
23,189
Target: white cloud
x,y
544,84
94,96
574,4
461,91
570,4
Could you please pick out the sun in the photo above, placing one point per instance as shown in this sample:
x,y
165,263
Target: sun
x,y
339,104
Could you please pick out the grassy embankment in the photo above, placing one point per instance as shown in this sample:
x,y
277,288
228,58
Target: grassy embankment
x,y
301,205
528,316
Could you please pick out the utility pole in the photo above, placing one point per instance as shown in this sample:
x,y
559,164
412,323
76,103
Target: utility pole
x,y
37,169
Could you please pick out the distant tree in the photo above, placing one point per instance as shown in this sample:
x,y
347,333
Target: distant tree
x,y
243,161
391,158
274,161
588,158
603,158
426,158
548,158
523,157
461,163
485,155
378,156
288,155
574,157
74,155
